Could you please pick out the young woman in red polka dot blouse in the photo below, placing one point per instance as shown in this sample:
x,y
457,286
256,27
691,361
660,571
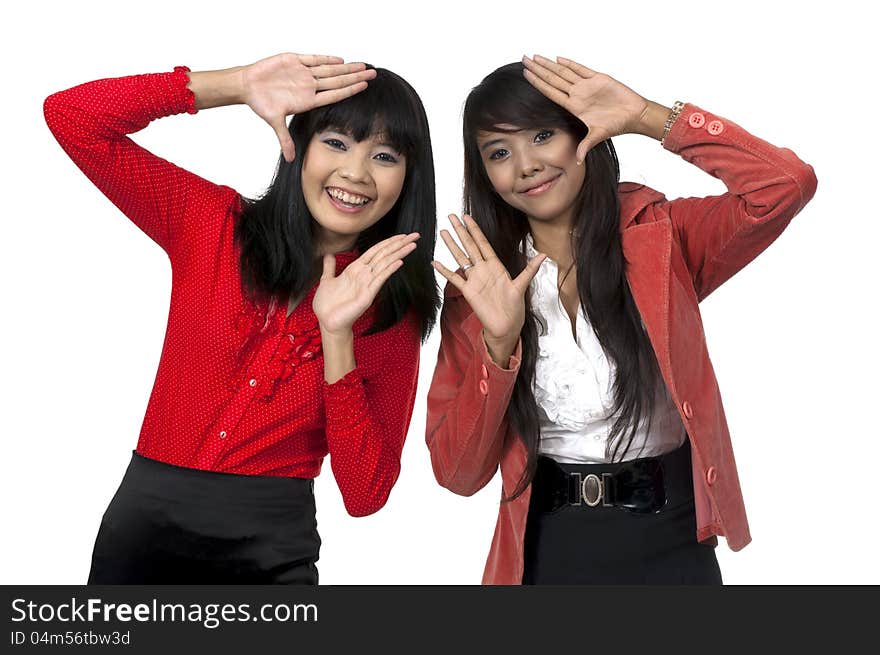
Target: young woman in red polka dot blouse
x,y
295,320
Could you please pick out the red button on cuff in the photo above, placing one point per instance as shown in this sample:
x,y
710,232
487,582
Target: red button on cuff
x,y
696,119
711,475
715,128
687,409
485,372
484,387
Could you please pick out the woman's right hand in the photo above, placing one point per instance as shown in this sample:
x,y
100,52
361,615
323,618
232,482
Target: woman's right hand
x,y
497,300
286,84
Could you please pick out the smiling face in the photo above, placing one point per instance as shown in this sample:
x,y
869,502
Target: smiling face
x,y
349,185
533,170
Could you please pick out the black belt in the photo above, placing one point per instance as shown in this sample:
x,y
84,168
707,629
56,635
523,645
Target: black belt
x,y
638,485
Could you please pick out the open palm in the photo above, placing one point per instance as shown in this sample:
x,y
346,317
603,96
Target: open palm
x,y
496,298
341,300
607,107
286,84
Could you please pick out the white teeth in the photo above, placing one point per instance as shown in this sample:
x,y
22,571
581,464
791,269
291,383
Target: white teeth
x,y
347,198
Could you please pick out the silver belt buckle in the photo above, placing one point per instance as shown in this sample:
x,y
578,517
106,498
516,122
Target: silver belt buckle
x,y
593,489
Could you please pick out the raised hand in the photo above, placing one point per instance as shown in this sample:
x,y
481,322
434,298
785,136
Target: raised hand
x,y
607,107
340,301
286,84
497,300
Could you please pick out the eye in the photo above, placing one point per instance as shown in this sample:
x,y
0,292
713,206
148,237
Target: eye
x,y
335,143
501,153
386,157
543,135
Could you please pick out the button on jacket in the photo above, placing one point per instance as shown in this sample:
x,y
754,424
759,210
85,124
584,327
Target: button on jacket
x,y
240,386
677,252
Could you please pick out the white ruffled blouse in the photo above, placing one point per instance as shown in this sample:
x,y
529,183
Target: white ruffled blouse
x,y
573,386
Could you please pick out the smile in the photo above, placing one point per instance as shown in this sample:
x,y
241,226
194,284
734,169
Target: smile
x,y
541,188
346,201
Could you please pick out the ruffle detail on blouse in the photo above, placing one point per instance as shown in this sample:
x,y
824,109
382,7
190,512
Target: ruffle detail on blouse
x,y
560,379
189,98
564,374
300,344
252,326
294,350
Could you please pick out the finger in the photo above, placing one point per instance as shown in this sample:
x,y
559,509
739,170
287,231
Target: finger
x,y
580,69
551,92
331,70
335,95
371,254
393,250
547,74
317,60
457,253
523,280
562,71
340,81
398,255
374,286
470,247
584,147
329,271
455,280
287,147
482,242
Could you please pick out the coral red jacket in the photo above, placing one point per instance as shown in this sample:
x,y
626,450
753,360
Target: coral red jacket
x,y
240,386
677,252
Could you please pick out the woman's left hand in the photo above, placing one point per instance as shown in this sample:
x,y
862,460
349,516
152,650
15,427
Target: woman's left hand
x,y
607,107
340,301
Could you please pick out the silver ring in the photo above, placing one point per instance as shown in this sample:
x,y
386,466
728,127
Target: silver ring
x,y
466,267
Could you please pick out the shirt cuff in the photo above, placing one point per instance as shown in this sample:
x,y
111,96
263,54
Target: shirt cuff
x,y
691,117
347,392
181,79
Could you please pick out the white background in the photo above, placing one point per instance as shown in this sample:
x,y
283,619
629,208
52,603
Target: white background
x,y
792,337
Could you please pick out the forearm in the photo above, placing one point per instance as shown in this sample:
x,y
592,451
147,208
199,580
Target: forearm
x,y
218,88
367,416
338,355
467,403
766,187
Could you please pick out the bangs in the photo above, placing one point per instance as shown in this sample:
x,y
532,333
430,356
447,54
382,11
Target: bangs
x,y
505,97
387,109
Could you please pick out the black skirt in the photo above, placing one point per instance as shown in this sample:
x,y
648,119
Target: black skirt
x,y
609,545
173,525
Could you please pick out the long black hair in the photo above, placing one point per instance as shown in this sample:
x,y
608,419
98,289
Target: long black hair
x,y
505,97
277,232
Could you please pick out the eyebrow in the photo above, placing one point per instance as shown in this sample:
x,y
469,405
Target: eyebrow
x,y
491,143
499,140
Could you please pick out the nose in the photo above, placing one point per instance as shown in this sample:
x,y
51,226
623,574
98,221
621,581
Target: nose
x,y
353,169
529,165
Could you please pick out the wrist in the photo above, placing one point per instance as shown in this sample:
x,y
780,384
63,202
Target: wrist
x,y
341,336
501,349
218,88
653,120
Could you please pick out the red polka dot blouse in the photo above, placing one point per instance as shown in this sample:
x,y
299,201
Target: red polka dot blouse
x,y
240,386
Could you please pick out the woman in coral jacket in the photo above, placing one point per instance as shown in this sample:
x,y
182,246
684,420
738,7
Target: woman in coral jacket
x,y
295,319
572,350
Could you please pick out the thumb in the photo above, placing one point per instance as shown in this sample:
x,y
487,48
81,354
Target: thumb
x,y
287,147
329,267
523,280
583,148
